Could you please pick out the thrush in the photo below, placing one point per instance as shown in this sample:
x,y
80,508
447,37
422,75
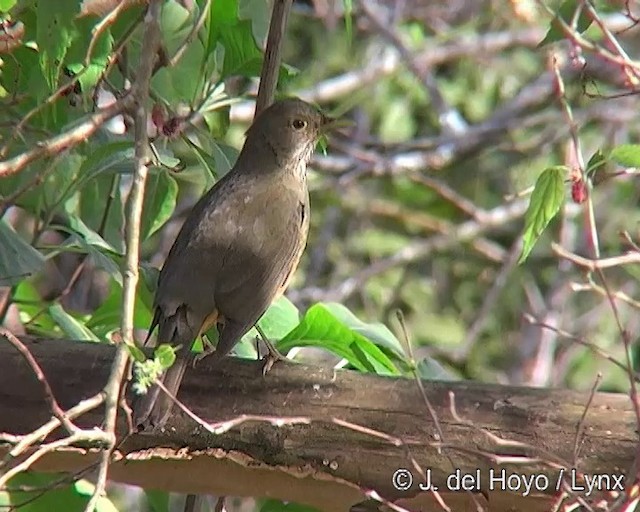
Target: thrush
x,y
239,245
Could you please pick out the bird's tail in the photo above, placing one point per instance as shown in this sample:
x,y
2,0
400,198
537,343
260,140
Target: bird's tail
x,y
154,408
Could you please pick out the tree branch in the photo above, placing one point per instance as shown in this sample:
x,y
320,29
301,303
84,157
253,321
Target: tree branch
x,y
352,431
273,54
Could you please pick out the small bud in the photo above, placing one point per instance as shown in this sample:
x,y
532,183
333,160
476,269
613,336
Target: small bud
x,y
579,191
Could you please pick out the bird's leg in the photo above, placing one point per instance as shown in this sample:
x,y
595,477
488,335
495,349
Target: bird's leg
x,y
207,349
272,356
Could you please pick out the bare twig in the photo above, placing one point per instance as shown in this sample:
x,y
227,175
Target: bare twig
x,y
66,140
596,264
192,34
580,425
56,410
113,389
580,341
273,54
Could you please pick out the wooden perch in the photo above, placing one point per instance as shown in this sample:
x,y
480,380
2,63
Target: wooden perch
x,y
322,462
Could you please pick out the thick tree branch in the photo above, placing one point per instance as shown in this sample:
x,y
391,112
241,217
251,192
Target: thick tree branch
x,y
351,431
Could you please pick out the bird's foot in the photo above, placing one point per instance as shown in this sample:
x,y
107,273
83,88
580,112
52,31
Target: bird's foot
x,y
205,353
272,356
207,350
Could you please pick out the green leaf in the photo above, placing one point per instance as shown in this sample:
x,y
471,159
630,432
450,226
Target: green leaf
x,y
165,354
377,332
627,155
106,318
59,495
429,368
136,353
348,21
279,506
160,196
546,200
225,158
222,13
33,310
5,5
279,320
596,161
241,54
158,500
320,328
101,256
566,13
97,194
99,57
18,259
85,488
259,13
54,35
112,156
69,325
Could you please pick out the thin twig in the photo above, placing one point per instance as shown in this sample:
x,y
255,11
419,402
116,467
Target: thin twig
x,y
76,135
192,34
596,264
22,443
56,410
580,425
591,346
149,50
272,54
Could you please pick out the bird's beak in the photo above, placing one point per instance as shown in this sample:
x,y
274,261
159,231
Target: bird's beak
x,y
330,124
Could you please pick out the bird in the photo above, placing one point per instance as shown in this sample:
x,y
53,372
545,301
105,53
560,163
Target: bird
x,y
238,247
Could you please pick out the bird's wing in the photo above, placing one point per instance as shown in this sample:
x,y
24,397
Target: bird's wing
x,y
234,254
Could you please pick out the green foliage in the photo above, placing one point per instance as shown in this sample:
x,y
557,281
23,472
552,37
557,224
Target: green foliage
x,y
627,155
147,371
321,328
159,201
546,200
18,259
6,5
278,506
567,13
50,492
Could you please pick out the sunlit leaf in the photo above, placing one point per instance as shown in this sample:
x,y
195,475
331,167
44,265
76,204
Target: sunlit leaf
x,y
627,155
24,493
5,5
281,317
376,332
545,202
320,328
165,354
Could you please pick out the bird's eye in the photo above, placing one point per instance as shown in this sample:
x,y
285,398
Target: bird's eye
x,y
299,124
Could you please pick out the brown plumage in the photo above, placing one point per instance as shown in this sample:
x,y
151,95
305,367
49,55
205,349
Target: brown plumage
x,y
239,246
